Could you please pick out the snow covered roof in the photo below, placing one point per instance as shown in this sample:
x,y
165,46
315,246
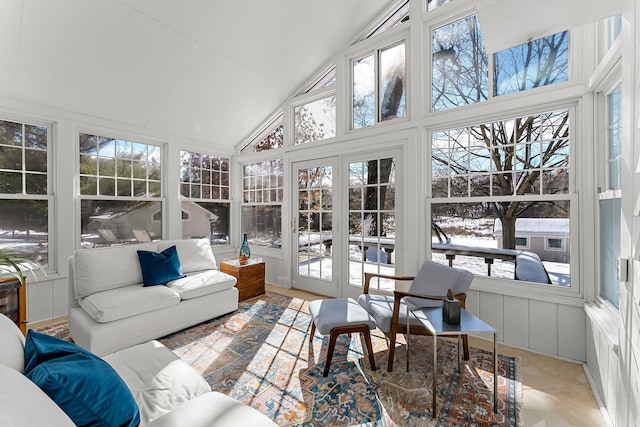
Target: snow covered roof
x,y
537,226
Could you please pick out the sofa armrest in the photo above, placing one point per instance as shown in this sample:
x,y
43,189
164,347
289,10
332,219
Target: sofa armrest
x,y
213,409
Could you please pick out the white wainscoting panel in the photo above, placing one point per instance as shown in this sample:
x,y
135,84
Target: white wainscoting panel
x,y
571,332
60,303
543,331
39,298
491,311
516,321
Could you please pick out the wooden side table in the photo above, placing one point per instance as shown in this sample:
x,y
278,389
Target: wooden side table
x,y
250,276
13,301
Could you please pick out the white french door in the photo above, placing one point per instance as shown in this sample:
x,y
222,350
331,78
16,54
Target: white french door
x,y
344,223
315,199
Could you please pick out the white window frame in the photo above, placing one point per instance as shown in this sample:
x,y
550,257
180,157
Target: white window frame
x,y
510,286
305,99
130,138
251,203
49,197
372,46
220,200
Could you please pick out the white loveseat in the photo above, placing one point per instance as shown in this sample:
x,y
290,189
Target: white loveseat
x,y
167,391
110,309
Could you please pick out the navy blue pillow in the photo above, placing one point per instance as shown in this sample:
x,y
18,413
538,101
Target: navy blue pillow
x,y
84,386
159,268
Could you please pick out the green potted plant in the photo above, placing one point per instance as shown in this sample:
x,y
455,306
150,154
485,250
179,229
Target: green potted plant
x,y
13,264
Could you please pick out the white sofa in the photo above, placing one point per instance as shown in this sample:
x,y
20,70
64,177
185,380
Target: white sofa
x,y
166,390
109,309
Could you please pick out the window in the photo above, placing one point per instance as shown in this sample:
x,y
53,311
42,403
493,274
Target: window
x,y
379,86
315,120
120,190
459,65
495,181
328,79
262,194
522,242
204,191
25,201
614,28
203,176
461,74
398,17
538,63
554,244
610,198
432,4
272,137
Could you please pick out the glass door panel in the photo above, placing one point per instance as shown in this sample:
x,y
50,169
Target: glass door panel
x,y
313,236
372,219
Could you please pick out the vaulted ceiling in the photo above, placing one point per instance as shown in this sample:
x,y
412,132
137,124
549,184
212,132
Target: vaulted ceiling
x,y
205,70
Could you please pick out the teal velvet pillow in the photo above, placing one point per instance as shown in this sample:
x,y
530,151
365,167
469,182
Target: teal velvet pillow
x,y
38,348
84,386
159,268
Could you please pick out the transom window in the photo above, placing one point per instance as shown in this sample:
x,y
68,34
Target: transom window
x,y
538,63
460,65
272,137
379,81
315,120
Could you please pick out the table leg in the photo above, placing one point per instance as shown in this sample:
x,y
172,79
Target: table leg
x,y
408,337
459,342
435,363
495,373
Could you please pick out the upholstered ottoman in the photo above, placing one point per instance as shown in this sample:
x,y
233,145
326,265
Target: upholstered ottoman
x,y
334,317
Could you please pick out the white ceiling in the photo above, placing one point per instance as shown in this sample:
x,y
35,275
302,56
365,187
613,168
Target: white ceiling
x,y
206,70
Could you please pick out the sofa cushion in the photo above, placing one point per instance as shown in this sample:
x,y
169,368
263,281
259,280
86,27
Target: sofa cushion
x,y
115,304
202,283
12,348
39,348
159,268
213,409
195,254
101,269
158,379
23,404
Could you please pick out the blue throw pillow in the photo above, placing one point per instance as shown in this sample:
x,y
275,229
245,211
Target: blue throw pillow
x,y
38,348
88,390
84,386
159,268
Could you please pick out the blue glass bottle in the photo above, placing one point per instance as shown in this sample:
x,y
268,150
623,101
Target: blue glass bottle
x,y
244,249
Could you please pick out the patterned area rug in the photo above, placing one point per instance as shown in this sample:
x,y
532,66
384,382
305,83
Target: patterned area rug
x,y
261,355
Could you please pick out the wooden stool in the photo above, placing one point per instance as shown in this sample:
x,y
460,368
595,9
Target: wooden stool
x,y
334,317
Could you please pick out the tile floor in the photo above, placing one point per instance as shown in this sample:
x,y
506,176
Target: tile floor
x,y
556,392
